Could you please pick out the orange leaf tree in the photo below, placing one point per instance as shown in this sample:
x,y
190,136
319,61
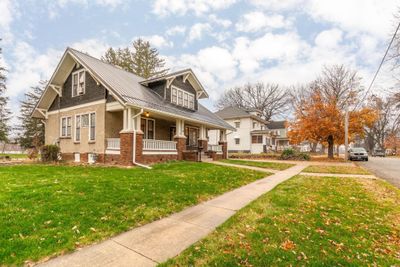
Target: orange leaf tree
x,y
318,118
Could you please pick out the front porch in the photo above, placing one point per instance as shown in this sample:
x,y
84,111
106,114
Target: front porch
x,y
146,137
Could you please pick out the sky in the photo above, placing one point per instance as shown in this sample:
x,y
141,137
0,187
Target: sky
x,y
226,42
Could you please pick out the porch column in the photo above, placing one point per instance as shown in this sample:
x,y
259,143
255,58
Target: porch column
x,y
131,127
126,139
203,142
180,138
224,144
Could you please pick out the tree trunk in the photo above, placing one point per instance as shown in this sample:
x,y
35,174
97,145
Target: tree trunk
x,y
314,147
322,149
330,147
337,150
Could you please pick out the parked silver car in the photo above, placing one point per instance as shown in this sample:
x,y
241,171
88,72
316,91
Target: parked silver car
x,y
358,153
378,153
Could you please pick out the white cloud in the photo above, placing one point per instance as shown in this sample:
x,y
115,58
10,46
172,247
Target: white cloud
x,y
277,4
178,29
93,47
29,67
158,41
181,7
329,38
375,17
225,23
8,13
255,21
197,31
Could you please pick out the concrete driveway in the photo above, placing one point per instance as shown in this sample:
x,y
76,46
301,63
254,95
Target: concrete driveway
x,y
385,168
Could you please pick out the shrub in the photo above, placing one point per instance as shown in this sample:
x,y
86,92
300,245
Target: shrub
x,y
50,153
290,153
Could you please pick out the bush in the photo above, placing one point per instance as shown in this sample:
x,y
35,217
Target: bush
x,y
291,154
50,153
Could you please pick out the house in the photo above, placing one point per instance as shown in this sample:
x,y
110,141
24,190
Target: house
x,y
279,140
253,134
99,112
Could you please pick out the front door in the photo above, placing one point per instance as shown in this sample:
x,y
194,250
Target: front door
x,y
192,135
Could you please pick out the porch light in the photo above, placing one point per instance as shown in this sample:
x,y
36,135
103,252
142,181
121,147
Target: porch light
x,y
147,114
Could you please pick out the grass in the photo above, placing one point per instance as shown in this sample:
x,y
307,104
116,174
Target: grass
x,y
14,156
261,164
336,169
47,210
309,221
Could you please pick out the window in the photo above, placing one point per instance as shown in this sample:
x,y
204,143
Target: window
x,y
185,100
237,141
77,128
78,83
182,98
92,127
174,95
254,124
237,124
147,126
66,126
191,101
256,139
85,120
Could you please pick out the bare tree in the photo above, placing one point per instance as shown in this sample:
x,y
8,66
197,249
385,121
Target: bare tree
x,y
270,99
388,121
340,84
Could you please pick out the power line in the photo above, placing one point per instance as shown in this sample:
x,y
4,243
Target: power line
x,y
380,65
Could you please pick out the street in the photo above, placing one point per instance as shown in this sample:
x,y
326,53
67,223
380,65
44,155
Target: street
x,y
385,168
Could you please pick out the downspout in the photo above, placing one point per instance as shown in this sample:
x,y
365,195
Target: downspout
x,y
134,144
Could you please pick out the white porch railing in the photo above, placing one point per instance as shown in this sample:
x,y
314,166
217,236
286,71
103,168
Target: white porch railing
x,y
215,148
113,143
158,145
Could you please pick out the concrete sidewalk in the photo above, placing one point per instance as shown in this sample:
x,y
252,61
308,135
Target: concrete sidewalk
x,y
158,241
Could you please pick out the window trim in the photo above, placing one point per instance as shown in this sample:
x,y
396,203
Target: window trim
x,y
72,83
257,136
90,126
66,127
175,99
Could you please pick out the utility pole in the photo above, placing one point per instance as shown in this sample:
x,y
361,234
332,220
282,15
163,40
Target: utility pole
x,y
346,132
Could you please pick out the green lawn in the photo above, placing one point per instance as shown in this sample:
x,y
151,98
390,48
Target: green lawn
x,y
261,164
308,221
336,169
46,210
14,156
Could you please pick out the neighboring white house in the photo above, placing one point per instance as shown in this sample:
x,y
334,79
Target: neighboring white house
x,y
253,134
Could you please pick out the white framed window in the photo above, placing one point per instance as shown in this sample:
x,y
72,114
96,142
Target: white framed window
x,y
174,94
148,127
237,124
66,123
78,128
92,126
85,120
237,141
191,101
78,83
182,98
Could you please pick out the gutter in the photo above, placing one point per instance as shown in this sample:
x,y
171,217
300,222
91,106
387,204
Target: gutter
x,y
134,144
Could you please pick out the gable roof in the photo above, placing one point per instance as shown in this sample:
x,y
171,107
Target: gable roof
x,y
234,112
125,86
276,125
187,74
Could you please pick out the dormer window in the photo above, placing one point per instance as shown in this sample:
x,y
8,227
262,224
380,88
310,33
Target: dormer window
x,y
78,83
182,98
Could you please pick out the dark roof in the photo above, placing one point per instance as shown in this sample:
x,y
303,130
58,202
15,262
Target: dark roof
x,y
276,125
127,86
234,112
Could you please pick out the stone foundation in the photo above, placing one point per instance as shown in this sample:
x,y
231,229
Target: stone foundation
x,y
150,159
190,156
